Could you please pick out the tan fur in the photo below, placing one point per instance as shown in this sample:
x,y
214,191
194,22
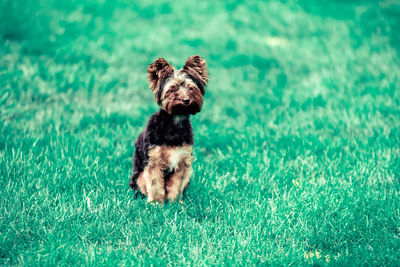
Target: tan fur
x,y
153,175
161,159
141,182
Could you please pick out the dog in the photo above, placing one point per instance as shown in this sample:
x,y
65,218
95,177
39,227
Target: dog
x,y
162,161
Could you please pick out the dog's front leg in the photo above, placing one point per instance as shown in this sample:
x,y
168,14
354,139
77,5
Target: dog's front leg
x,y
180,179
154,177
174,183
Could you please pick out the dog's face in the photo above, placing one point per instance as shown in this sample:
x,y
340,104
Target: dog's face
x,y
179,92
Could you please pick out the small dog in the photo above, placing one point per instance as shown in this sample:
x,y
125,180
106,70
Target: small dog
x,y
162,163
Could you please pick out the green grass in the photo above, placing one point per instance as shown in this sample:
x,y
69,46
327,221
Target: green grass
x,y
297,157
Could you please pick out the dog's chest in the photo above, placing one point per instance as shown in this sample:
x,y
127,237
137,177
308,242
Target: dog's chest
x,y
171,156
175,155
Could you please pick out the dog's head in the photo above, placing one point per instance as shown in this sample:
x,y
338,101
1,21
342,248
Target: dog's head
x,y
179,92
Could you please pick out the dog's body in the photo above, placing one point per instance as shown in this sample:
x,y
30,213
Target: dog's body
x,y
163,152
162,163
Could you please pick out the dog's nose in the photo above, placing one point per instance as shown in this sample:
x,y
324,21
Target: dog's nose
x,y
186,101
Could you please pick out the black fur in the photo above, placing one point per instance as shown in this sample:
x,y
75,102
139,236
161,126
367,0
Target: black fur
x,y
161,129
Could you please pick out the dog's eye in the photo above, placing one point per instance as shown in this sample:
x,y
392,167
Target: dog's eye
x,y
173,89
191,88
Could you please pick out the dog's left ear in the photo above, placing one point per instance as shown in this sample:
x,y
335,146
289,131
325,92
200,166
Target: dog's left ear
x,y
196,66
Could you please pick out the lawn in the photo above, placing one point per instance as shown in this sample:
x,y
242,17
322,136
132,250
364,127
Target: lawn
x,y
297,149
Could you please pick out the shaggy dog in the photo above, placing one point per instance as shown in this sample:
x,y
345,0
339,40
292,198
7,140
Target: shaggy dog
x,y
162,163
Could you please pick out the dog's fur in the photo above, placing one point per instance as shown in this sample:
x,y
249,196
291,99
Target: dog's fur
x,y
162,163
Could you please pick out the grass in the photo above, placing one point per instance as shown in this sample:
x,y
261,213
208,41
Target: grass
x,y
296,149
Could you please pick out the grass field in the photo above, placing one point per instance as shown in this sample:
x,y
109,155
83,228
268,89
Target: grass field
x,y
297,157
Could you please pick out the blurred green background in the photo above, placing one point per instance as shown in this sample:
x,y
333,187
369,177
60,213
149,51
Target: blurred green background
x,y
296,149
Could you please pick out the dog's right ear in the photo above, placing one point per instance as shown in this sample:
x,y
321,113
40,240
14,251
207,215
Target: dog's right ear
x,y
158,71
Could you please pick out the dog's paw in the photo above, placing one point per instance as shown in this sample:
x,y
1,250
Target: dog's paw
x,y
156,198
172,196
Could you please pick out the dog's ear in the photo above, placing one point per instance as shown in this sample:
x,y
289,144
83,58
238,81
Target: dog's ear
x,y
158,71
196,67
